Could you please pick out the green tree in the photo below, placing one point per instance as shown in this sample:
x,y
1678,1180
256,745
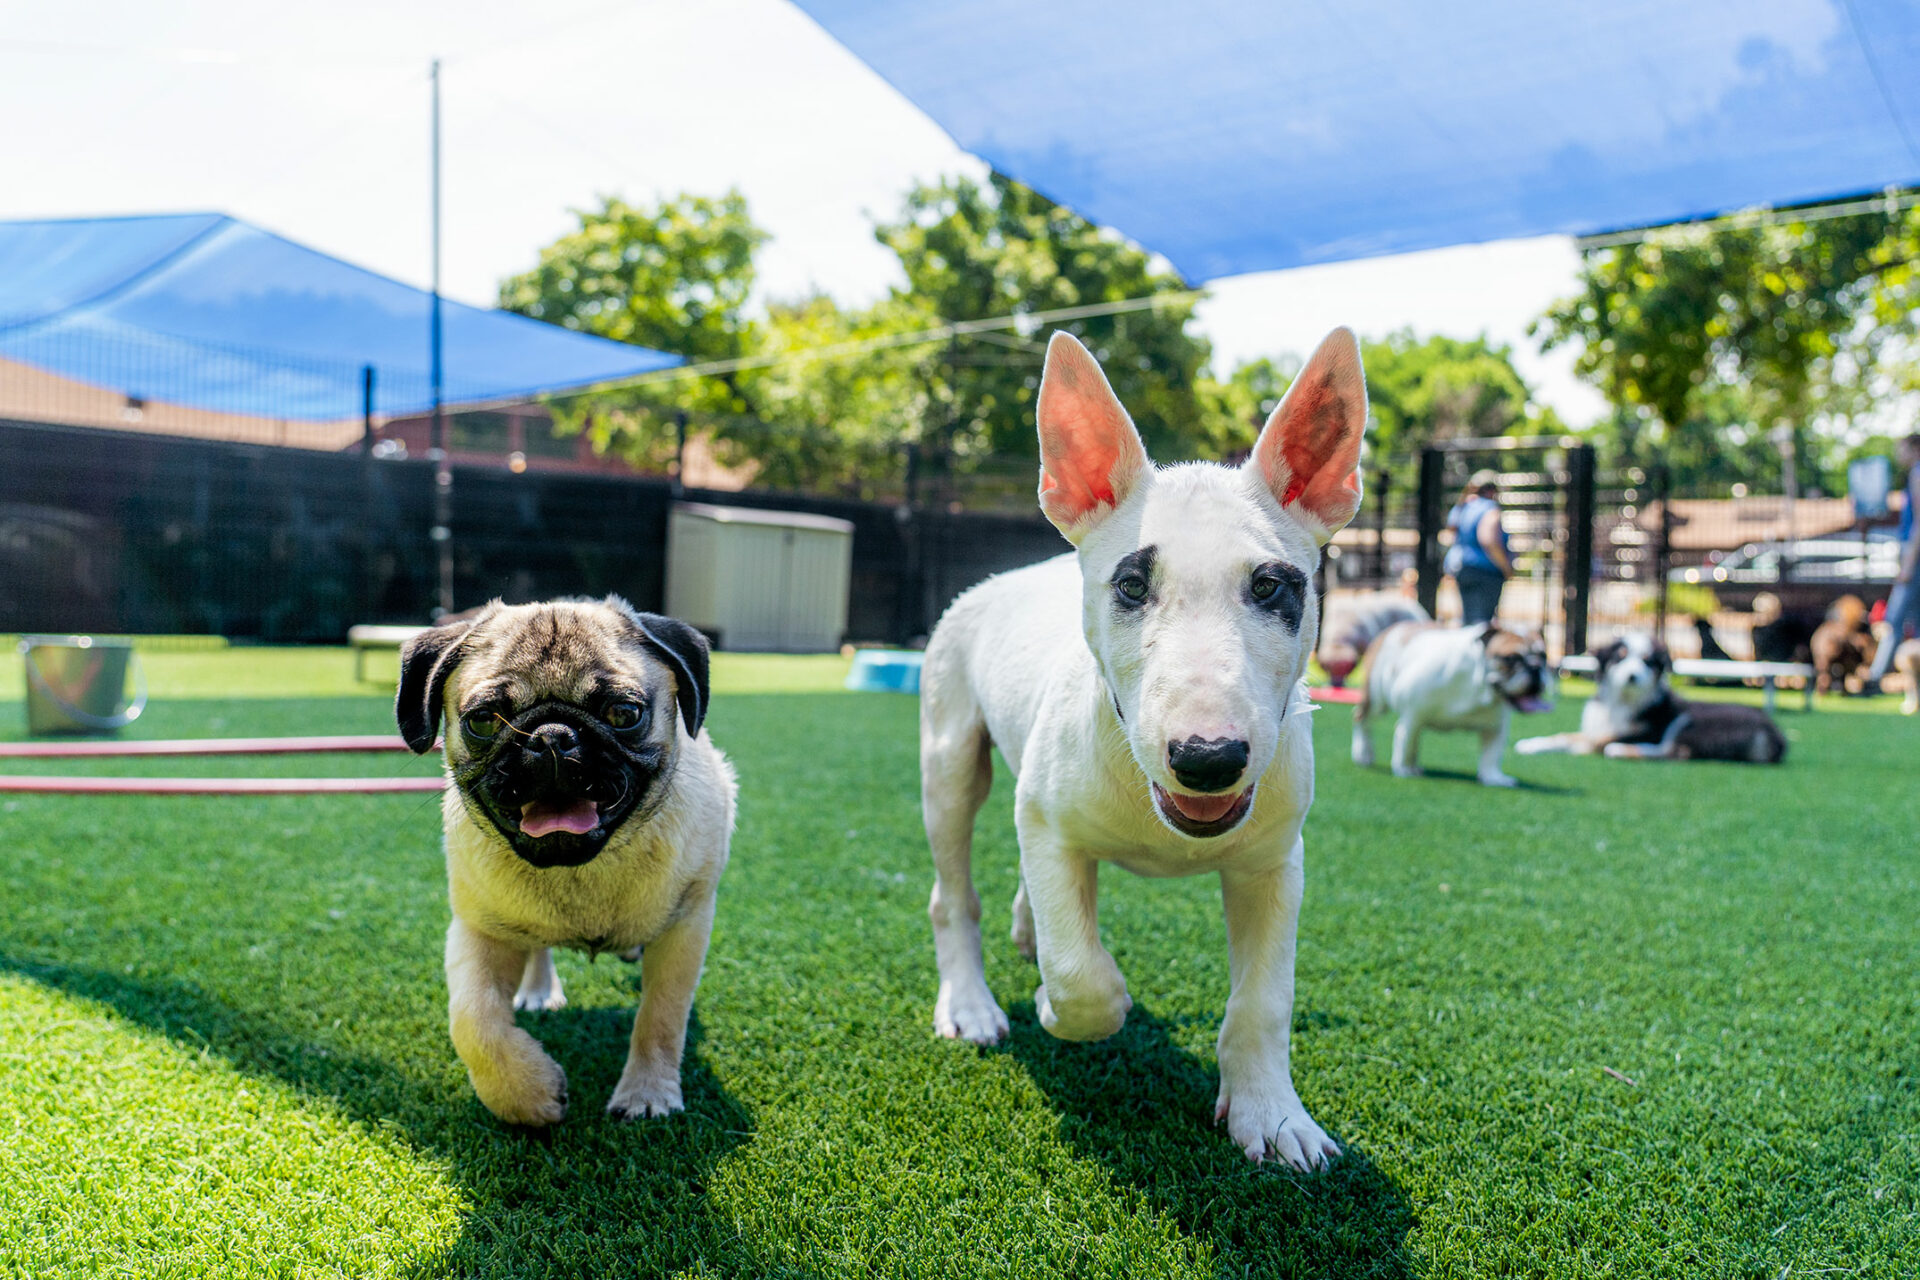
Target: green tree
x,y
676,277
1703,339
972,252
1233,411
836,403
1426,390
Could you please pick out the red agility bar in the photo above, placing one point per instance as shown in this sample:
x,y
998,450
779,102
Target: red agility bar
x,y
204,747
216,786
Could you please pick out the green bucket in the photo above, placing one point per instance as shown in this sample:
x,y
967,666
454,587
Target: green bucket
x,y
78,684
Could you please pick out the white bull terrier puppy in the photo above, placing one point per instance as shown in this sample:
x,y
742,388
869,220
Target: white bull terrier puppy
x,y
1146,692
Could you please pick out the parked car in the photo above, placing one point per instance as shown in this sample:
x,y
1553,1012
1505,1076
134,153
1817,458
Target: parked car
x,y
1807,575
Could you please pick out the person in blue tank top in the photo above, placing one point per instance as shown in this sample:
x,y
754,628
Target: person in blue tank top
x,y
1903,606
1478,559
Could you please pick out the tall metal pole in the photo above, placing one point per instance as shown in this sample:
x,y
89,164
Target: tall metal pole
x,y
437,451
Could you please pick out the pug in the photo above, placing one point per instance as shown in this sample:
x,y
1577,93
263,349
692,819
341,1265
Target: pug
x,y
587,810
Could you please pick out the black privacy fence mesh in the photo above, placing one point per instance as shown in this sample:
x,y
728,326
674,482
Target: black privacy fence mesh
x,y
139,530
123,532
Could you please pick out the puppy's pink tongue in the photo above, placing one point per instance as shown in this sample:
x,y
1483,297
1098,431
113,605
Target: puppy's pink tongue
x,y
537,819
1204,808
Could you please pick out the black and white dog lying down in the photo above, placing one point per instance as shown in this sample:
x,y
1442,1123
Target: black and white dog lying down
x,y
1634,714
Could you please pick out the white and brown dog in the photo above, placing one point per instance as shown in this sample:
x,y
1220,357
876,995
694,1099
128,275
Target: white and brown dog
x,y
1435,677
1146,692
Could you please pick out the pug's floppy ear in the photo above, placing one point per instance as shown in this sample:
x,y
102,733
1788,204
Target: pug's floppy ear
x,y
685,650
425,663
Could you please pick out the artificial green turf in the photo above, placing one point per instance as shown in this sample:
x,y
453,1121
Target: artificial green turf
x,y
222,1042
183,670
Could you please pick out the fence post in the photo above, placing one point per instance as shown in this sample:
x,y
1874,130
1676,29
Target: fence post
x,y
1382,489
906,608
366,408
369,600
1577,586
1662,546
679,486
1432,514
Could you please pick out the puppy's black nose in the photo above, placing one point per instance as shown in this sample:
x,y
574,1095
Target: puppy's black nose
x,y
1207,764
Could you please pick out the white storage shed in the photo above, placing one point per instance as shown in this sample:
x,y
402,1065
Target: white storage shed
x,y
760,581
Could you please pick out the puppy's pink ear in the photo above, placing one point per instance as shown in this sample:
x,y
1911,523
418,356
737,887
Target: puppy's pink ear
x,y
1091,458
1309,451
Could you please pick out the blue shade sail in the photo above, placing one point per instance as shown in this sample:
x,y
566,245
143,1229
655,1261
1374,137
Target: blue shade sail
x,y
1234,136
205,311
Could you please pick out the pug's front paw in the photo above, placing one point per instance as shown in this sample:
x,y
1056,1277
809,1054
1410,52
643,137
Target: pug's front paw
x,y
522,1085
646,1090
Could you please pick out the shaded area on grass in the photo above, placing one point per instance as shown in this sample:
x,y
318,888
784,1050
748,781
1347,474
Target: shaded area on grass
x,y
592,1193
1143,1107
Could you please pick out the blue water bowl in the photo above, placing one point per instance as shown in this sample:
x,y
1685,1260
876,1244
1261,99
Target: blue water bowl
x,y
886,671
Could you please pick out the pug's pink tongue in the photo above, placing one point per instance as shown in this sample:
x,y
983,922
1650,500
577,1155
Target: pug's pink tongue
x,y
1204,808
537,819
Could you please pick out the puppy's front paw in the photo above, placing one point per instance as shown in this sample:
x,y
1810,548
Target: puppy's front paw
x,y
1498,780
968,1013
1263,1123
1091,1015
1363,753
1408,771
646,1091
1534,746
522,1085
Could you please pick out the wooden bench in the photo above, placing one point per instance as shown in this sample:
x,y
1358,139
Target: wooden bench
x,y
1767,673
365,637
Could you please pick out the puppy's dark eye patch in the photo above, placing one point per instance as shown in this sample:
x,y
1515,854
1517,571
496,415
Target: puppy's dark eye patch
x,y
1132,580
1279,590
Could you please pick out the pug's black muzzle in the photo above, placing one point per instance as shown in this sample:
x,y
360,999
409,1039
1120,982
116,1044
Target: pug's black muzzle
x,y
1530,696
558,764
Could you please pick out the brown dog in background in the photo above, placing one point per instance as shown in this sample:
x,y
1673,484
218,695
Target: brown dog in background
x,y
1842,646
